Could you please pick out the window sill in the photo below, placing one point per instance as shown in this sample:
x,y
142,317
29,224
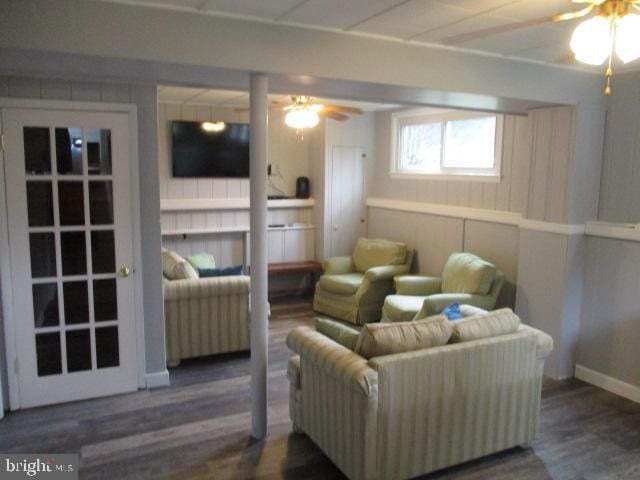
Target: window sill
x,y
456,177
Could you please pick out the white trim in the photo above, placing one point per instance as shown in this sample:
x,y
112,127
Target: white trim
x,y
494,216
241,203
610,384
551,227
157,379
480,214
136,230
223,230
11,354
461,177
620,231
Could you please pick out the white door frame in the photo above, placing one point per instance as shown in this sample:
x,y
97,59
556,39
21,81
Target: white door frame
x,y
5,257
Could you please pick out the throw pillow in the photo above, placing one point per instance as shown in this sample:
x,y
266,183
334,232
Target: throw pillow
x,y
378,339
201,261
467,273
174,267
221,272
485,325
452,311
336,331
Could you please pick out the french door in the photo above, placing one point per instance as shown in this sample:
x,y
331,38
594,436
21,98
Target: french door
x,y
67,176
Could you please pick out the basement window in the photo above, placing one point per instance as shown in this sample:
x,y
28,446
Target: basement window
x,y
447,145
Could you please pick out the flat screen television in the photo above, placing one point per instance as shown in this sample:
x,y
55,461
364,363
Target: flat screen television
x,y
210,149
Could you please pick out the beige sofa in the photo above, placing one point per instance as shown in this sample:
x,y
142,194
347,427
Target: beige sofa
x,y
403,415
206,316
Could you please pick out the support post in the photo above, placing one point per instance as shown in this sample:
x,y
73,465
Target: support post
x,y
258,241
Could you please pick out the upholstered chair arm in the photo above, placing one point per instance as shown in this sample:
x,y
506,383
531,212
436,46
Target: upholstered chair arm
x,y
338,265
418,285
434,304
334,360
544,340
206,287
385,272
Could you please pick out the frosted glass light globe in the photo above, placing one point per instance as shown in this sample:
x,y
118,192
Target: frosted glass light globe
x,y
301,118
591,41
628,38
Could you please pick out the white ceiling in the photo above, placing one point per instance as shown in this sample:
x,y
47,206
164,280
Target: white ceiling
x,y
467,24
230,98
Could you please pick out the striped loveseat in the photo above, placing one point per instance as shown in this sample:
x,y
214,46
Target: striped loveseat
x,y
206,316
403,415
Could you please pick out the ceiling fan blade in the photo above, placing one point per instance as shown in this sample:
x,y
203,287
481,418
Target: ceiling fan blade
x,y
342,108
572,15
509,27
334,115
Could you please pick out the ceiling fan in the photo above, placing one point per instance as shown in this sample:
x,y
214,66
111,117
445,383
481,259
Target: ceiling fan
x,y
303,112
615,27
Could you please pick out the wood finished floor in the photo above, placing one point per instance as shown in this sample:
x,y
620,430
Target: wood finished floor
x,y
199,428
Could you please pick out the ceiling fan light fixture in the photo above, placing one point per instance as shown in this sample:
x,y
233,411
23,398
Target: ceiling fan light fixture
x,y
628,37
301,118
591,40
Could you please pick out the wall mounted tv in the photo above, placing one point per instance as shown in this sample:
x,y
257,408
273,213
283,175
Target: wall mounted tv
x,y
210,149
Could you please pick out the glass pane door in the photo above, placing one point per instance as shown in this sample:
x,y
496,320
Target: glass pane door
x,y
78,238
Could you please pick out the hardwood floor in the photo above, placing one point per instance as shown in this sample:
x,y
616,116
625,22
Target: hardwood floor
x,y
199,428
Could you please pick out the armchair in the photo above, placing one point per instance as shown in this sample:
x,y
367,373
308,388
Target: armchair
x,y
466,279
353,288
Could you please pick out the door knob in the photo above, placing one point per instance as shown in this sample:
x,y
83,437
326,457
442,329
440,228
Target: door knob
x,y
124,271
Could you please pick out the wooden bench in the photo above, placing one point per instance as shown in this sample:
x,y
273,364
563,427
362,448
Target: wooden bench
x,y
310,267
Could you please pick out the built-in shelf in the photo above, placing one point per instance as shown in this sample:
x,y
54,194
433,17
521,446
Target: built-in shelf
x,y
195,204
223,230
621,231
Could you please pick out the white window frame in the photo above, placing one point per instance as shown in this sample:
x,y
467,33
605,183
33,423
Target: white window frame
x,y
418,116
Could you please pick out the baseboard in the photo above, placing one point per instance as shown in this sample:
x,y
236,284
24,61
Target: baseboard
x,y
608,383
158,379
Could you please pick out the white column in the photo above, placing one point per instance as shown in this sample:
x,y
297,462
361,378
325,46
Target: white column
x,y
258,223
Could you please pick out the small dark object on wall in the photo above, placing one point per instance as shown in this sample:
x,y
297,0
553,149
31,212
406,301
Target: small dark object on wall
x,y
303,187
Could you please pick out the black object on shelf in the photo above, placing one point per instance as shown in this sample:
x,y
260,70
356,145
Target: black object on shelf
x,y
277,197
303,187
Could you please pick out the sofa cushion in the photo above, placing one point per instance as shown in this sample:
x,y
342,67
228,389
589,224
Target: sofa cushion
x,y
401,308
201,261
485,325
372,252
338,332
221,272
378,339
345,284
467,273
174,267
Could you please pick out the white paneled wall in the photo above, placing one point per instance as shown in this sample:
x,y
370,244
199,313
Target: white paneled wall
x,y
620,180
288,155
436,237
509,195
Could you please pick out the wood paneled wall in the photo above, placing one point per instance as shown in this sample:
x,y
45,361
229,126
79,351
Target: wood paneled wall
x,y
620,179
435,238
288,154
509,195
537,158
